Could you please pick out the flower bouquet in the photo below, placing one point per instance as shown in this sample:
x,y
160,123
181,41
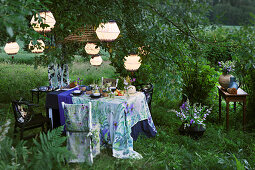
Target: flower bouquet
x,y
193,117
128,85
227,66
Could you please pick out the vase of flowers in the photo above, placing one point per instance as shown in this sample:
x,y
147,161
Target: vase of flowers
x,y
224,78
128,85
193,117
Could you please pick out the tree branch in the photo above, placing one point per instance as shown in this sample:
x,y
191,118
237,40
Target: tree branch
x,y
189,32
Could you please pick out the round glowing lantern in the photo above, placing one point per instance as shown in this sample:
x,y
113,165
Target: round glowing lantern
x,y
92,49
11,48
37,48
96,60
132,62
108,32
47,18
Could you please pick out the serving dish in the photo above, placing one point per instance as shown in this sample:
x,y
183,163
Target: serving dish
x,y
77,92
95,95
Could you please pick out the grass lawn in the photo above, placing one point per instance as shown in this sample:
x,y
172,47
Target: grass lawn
x,y
217,149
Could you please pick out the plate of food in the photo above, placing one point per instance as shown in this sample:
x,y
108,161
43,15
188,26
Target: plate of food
x,y
95,95
43,88
77,92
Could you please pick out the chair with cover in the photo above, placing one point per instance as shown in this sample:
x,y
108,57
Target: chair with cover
x,y
114,82
26,118
82,135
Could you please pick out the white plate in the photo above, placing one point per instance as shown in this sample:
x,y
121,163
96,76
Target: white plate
x,y
65,89
96,94
77,91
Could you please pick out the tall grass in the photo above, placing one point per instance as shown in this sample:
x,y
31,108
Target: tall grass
x,y
90,73
16,80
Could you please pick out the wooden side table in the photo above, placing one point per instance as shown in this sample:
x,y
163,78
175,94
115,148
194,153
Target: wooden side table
x,y
239,97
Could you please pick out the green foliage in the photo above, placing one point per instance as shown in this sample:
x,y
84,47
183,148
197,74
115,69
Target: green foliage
x,y
198,79
120,84
18,79
244,67
91,74
20,58
239,165
14,19
48,153
233,12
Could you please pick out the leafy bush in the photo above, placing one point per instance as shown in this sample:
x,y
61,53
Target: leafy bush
x,y
48,153
199,80
245,67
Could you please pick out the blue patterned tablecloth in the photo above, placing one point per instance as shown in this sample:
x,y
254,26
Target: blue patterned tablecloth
x,y
117,116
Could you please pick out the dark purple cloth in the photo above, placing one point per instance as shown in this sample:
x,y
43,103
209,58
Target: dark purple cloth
x,y
142,127
52,99
67,98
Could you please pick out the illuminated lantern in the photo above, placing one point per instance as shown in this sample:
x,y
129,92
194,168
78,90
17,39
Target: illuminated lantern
x,y
11,48
132,62
91,49
37,48
47,18
108,32
96,60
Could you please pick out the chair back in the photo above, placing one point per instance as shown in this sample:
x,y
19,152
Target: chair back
x,y
78,117
148,91
21,111
109,80
79,131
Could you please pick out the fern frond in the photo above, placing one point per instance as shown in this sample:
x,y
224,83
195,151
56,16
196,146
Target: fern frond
x,y
50,153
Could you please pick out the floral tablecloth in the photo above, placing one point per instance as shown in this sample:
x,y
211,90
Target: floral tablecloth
x,y
117,115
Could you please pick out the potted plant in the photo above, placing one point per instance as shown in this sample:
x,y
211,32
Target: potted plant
x,y
193,117
224,78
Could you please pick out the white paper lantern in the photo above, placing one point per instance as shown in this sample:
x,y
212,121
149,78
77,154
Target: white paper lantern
x,y
11,48
47,18
96,60
132,62
37,48
108,32
91,49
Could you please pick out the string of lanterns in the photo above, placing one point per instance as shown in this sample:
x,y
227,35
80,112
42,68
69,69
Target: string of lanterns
x,y
106,32
132,62
11,48
45,17
37,48
91,48
96,60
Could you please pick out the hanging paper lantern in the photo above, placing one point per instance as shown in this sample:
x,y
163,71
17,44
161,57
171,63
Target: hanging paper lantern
x,y
47,18
108,32
132,62
11,48
96,60
91,49
37,48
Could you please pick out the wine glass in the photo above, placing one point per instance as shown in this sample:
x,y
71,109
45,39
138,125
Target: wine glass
x,y
112,89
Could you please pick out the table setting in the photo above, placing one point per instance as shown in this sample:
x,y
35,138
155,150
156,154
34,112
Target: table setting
x,y
119,115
